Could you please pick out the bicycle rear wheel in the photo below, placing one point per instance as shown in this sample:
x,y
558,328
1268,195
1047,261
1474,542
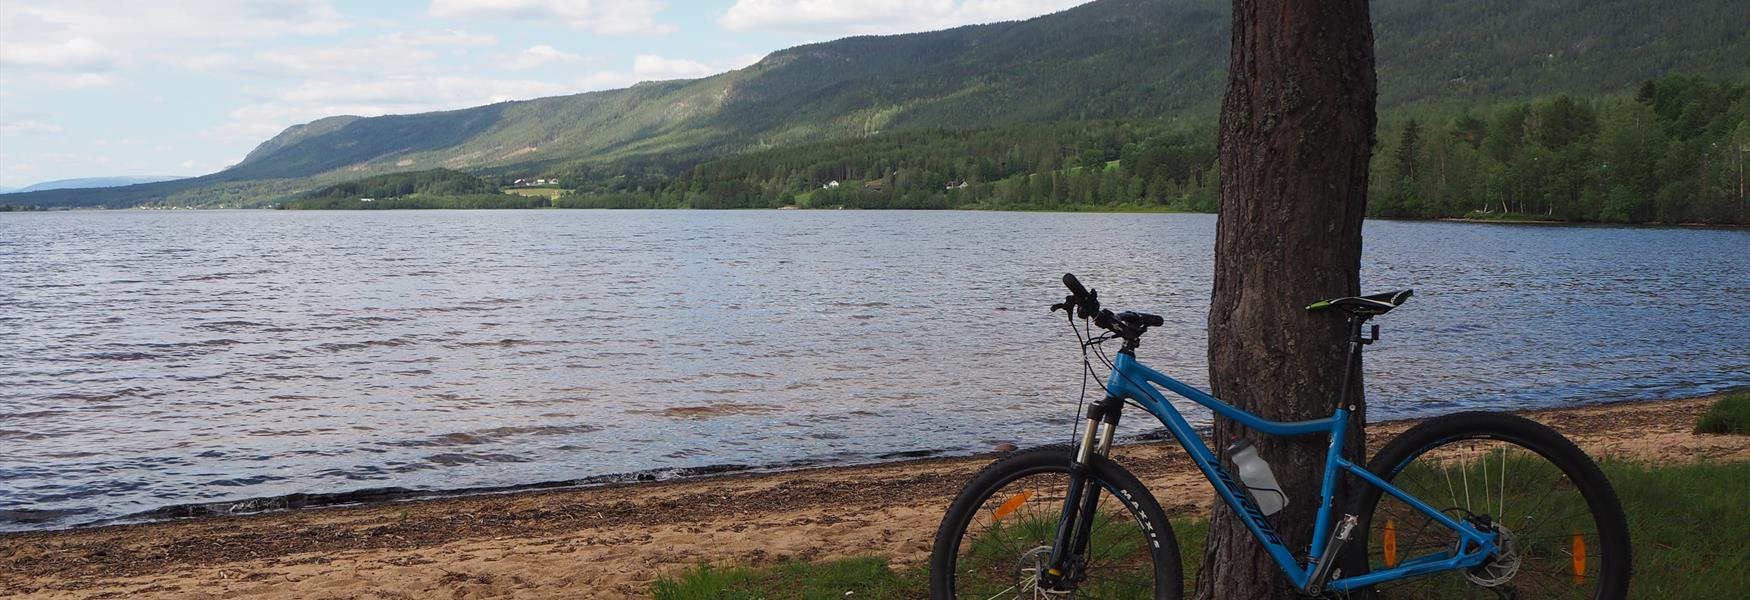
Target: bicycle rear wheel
x,y
998,533
1562,531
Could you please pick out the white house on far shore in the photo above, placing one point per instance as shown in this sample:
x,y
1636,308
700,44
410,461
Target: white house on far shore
x,y
831,185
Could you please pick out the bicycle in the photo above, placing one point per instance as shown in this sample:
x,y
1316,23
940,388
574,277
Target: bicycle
x,y
1069,522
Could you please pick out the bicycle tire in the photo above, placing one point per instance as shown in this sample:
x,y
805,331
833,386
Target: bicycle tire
x,y
1118,484
1449,445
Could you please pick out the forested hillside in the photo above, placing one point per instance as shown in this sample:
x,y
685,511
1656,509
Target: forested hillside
x,y
1676,151
435,188
435,182
1107,60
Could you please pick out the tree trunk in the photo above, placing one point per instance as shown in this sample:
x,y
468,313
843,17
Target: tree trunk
x,y
1297,131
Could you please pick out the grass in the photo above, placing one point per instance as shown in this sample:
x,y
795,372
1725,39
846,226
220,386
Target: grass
x,y
536,192
1730,414
1690,530
856,578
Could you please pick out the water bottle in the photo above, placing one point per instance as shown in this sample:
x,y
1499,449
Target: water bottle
x,y
1257,477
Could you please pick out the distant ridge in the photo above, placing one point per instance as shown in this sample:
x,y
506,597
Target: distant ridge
x,y
81,183
1107,59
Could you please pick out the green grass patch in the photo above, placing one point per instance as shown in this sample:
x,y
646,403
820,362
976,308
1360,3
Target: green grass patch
x,y
1730,414
864,577
1690,528
419,201
536,192
1690,531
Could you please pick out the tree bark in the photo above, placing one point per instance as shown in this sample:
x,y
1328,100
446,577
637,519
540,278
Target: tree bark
x,y
1297,129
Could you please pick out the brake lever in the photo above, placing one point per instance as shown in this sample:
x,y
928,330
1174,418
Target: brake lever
x,y
1068,305
1089,305
1078,306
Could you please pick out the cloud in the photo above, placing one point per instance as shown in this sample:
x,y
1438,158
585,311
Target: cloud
x,y
394,54
540,56
611,17
838,17
85,43
657,67
76,54
141,25
35,80
650,67
274,109
28,127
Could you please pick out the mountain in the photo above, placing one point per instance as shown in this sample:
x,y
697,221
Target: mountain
x,y
82,183
1108,59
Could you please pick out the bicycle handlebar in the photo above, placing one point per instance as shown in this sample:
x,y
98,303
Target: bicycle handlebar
x,y
1085,303
1074,285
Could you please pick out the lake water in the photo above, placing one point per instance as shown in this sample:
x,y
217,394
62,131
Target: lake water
x,y
160,364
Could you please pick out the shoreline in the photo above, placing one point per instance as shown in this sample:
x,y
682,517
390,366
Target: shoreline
x,y
614,540
1648,224
1055,210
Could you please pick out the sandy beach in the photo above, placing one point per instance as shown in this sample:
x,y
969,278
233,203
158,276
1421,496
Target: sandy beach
x,y
612,542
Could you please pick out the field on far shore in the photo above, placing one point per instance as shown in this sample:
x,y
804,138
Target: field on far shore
x,y
536,192
614,542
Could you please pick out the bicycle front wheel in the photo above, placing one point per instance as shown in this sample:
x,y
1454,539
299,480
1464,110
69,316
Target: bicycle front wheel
x,y
998,533
1561,529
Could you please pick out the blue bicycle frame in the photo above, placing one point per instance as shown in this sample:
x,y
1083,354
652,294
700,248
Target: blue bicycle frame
x,y
1131,380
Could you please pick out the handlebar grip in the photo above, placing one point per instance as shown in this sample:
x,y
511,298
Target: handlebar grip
x,y
1153,320
1074,285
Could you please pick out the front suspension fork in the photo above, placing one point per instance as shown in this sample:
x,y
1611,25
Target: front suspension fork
x,y
1076,524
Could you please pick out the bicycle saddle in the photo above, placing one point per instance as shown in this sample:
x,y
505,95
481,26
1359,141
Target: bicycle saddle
x,y
1370,305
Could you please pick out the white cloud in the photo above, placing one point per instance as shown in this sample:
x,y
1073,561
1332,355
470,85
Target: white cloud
x,y
84,43
394,54
613,17
275,109
142,25
540,56
838,17
76,54
650,67
28,127
657,67
34,80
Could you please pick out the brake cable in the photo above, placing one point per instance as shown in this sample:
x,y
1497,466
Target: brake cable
x,y
1087,369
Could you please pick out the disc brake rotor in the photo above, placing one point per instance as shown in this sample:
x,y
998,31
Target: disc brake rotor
x,y
1503,566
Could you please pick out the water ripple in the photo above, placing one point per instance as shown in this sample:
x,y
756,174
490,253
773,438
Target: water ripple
x,y
175,364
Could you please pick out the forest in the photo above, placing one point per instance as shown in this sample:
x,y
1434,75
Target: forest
x,y
432,188
1675,151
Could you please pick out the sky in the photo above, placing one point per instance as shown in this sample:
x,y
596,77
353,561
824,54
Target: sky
x,y
93,88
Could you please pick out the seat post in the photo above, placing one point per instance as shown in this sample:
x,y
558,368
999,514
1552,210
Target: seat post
x,y
1351,357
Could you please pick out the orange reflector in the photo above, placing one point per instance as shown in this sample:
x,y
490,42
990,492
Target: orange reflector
x,y
1011,505
1579,559
1391,543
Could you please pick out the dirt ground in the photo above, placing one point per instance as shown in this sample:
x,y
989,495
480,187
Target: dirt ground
x,y
612,542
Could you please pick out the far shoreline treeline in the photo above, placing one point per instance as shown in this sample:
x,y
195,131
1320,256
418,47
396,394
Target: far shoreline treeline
x,y
1675,151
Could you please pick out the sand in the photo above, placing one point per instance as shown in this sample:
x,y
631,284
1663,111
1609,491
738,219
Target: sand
x,y
612,542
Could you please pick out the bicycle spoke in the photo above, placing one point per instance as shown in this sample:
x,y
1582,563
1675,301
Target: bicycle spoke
x,y
1545,521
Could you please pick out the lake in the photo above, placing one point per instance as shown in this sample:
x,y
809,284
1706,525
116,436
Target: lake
x,y
157,364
